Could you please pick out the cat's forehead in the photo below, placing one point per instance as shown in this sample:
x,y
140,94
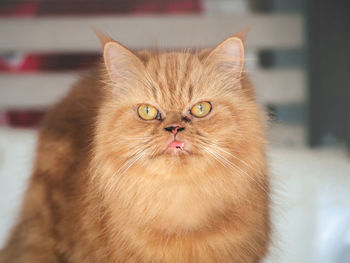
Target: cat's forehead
x,y
173,66
177,76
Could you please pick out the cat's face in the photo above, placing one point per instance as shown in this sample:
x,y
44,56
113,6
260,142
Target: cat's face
x,y
176,108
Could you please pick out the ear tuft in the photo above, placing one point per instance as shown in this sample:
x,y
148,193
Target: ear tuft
x,y
104,39
120,62
228,56
242,35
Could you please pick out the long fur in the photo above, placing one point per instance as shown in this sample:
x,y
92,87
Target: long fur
x,y
104,190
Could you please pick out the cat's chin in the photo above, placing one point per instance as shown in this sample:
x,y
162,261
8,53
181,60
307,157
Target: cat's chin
x,y
176,152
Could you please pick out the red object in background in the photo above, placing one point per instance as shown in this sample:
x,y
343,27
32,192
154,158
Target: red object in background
x,y
18,7
21,118
48,62
96,7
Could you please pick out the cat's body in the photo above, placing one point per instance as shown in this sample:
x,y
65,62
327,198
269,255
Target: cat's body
x,y
106,188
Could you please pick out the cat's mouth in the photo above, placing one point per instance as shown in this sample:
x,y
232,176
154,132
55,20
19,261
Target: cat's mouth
x,y
177,145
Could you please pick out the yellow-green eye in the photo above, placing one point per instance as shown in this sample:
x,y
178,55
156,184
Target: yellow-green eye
x,y
147,112
201,109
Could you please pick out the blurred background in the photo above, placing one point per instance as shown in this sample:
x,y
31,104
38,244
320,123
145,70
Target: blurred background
x,y
297,56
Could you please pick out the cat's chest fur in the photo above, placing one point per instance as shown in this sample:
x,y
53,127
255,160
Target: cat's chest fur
x,y
175,221
169,203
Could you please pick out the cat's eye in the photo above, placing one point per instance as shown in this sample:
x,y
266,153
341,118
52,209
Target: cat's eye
x,y
147,112
201,109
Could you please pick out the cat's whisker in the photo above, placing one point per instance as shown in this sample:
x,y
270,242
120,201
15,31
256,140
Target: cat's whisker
x,y
121,175
216,157
204,140
233,156
232,165
132,163
123,169
221,159
152,154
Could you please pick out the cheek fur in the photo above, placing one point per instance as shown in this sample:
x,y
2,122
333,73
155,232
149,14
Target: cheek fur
x,y
221,123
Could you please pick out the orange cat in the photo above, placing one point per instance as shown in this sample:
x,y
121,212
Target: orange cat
x,y
155,157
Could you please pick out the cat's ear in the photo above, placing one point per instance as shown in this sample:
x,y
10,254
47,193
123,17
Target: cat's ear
x,y
120,62
228,56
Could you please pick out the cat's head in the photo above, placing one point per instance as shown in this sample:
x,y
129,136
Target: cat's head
x,y
170,110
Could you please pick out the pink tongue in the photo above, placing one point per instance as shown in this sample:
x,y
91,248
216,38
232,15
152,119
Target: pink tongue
x,y
176,144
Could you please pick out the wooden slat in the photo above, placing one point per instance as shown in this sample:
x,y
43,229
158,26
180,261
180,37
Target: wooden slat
x,y
33,90
76,34
41,90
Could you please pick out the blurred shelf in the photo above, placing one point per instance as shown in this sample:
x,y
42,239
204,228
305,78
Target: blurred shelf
x,y
173,31
36,90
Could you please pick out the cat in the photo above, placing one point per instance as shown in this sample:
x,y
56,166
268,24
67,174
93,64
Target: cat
x,y
156,156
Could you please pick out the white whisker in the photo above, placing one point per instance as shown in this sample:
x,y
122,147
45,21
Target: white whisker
x,y
123,169
220,149
231,165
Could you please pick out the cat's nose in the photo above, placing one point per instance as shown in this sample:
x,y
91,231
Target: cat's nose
x,y
174,129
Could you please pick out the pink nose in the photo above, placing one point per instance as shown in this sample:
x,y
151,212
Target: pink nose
x,y
174,129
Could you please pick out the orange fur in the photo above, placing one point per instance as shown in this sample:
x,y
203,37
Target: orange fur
x,y
105,189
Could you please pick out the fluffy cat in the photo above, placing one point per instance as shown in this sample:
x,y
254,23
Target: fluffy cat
x,y
154,157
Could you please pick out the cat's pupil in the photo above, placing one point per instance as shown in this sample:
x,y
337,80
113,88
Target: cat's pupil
x,y
147,110
200,108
